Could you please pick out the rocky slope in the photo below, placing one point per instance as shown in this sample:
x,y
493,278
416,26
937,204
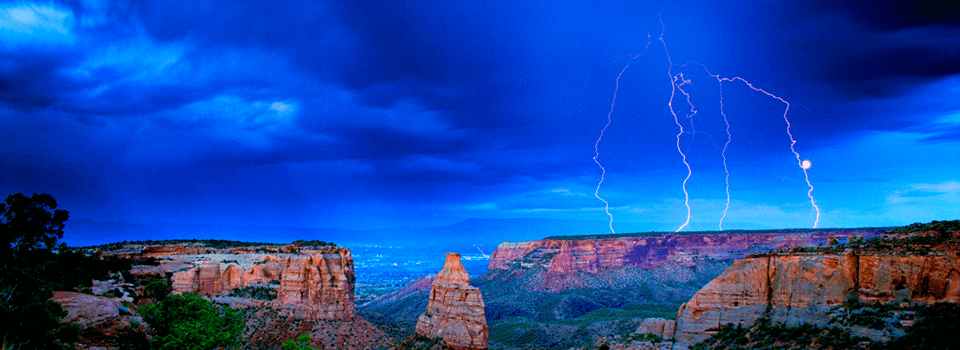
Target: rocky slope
x,y
397,312
266,328
455,311
419,286
799,286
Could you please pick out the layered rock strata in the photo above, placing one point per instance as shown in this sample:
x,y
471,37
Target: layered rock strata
x,y
794,288
315,283
557,265
318,286
592,254
455,311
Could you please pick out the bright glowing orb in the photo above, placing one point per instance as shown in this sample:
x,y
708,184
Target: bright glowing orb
x,y
806,164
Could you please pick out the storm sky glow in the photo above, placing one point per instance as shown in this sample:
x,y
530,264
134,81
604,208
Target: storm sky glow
x,y
356,114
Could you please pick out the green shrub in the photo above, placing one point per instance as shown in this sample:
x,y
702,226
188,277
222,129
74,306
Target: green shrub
x,y
254,292
190,322
312,243
156,290
766,335
302,343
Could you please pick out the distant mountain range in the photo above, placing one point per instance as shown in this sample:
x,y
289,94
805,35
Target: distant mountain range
x,y
485,232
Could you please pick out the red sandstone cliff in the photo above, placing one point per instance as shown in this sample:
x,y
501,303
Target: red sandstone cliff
x,y
802,287
318,285
565,255
314,286
312,283
455,311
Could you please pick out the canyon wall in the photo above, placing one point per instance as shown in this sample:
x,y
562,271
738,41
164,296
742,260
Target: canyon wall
x,y
313,283
798,287
567,263
591,254
455,311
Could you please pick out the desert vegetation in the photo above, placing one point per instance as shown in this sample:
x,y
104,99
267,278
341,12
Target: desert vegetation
x,y
190,322
301,343
419,342
33,263
766,335
254,292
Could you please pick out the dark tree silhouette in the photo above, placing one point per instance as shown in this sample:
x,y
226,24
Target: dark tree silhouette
x,y
29,224
29,230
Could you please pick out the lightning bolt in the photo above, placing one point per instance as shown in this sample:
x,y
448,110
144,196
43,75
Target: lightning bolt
x,y
481,252
674,86
723,154
596,146
677,81
806,175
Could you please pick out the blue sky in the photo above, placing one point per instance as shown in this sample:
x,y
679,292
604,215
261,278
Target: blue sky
x,y
356,114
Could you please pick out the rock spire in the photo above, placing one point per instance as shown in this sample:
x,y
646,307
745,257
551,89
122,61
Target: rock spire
x,y
455,311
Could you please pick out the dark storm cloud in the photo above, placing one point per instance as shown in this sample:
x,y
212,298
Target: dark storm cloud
x,y
891,14
889,63
89,73
845,66
880,48
339,102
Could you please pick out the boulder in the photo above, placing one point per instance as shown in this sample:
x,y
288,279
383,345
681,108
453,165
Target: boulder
x,y
86,310
660,327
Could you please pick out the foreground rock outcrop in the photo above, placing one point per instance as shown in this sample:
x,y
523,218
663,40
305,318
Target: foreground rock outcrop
x,y
802,287
105,323
455,311
86,310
